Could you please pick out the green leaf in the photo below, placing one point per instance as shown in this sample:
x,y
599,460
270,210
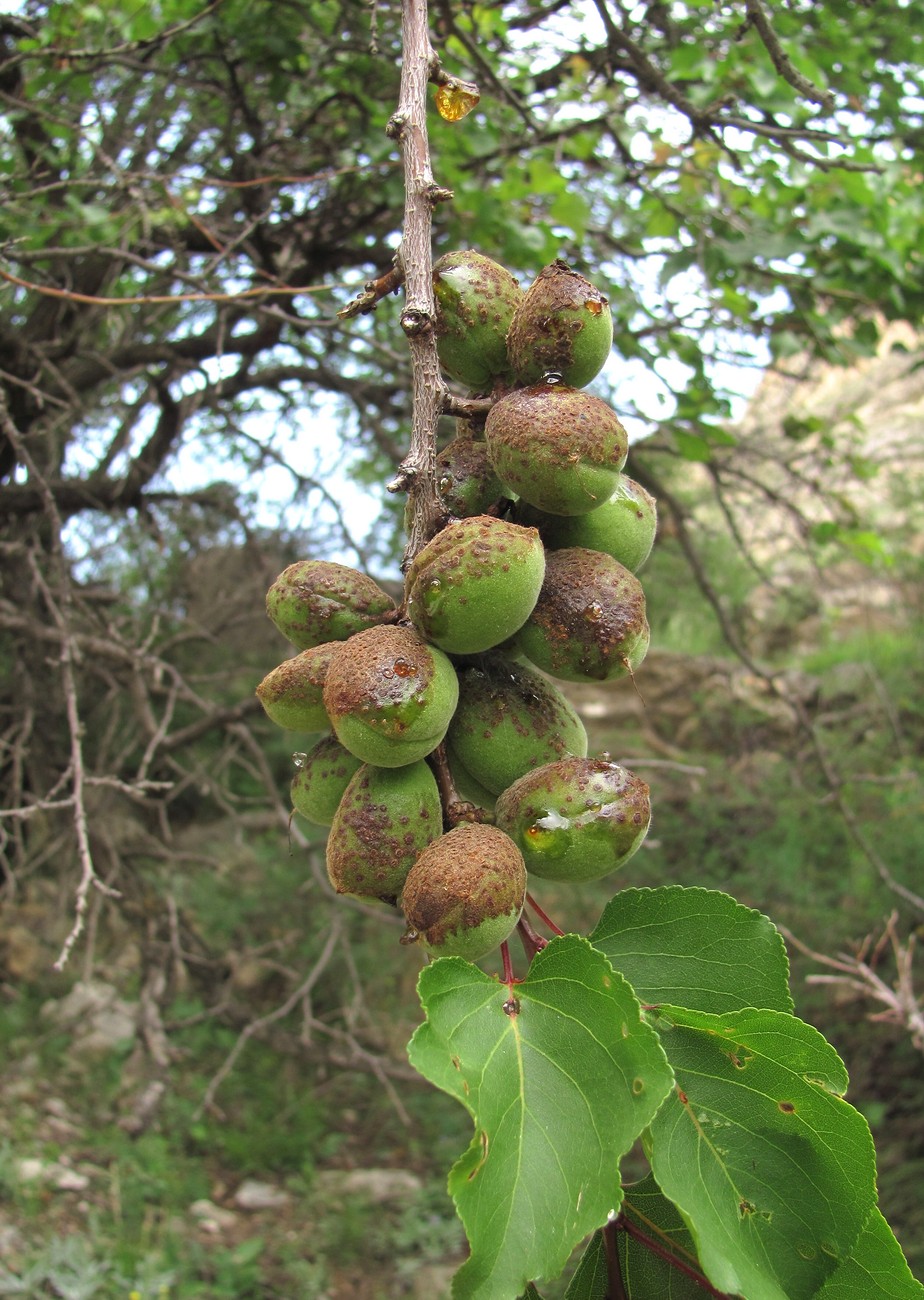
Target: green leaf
x,y
591,1280
876,1269
694,947
570,210
691,446
650,1216
559,1088
772,1170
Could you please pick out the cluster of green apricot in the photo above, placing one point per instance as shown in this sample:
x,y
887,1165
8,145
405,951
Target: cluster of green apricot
x,y
451,766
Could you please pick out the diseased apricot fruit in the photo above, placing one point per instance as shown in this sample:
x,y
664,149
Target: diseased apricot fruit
x,y
314,601
293,693
385,818
576,819
321,777
624,527
389,695
465,478
558,448
464,894
509,720
589,623
563,326
475,302
475,583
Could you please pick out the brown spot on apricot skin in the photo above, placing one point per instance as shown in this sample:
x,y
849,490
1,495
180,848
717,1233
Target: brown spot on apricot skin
x,y
590,617
470,874
356,678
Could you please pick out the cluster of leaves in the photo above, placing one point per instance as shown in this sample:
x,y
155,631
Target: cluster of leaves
x,y
673,1025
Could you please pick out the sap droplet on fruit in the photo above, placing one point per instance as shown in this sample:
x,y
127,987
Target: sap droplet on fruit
x,y
594,306
299,759
404,669
445,483
593,612
553,377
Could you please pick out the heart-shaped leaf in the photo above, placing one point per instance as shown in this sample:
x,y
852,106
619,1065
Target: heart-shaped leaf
x,y
772,1170
694,948
876,1269
560,1075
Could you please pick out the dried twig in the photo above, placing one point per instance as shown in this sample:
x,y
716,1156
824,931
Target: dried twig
x,y
856,973
279,1013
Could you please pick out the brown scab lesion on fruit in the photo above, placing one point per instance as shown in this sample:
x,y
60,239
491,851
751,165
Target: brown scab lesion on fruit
x,y
471,875
380,668
563,325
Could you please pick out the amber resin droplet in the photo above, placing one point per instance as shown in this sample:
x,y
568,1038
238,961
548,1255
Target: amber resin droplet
x,y
454,102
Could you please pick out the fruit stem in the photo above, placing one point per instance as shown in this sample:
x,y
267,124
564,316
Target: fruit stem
x,y
532,942
546,920
455,810
509,977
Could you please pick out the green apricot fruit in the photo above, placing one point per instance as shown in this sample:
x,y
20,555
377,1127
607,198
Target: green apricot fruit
x,y
475,302
467,787
474,584
465,478
386,817
389,695
293,693
321,777
558,448
576,819
589,622
624,527
563,326
315,601
464,894
509,720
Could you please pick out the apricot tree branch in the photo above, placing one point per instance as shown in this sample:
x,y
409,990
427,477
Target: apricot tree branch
x,y
757,18
417,473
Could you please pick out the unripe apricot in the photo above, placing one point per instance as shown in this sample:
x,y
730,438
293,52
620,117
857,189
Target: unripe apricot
x,y
475,583
475,302
509,720
468,788
464,894
558,448
315,601
589,622
465,478
389,695
384,820
563,326
623,528
322,775
576,819
293,693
